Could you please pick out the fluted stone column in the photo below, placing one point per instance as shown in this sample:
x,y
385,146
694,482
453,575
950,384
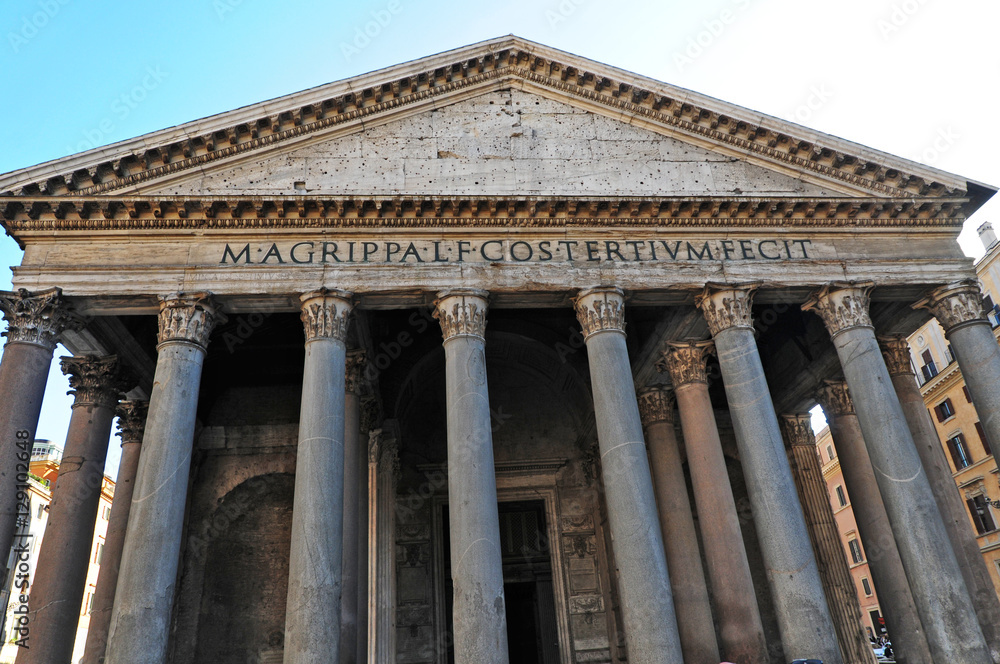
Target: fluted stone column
x,y
942,599
131,423
64,558
383,465
900,612
841,593
480,622
740,630
34,323
140,621
651,632
803,617
896,352
312,614
354,458
959,309
680,540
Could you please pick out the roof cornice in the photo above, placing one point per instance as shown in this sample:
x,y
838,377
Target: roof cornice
x,y
500,62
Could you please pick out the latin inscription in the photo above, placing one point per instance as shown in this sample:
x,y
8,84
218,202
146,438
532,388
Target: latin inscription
x,y
516,251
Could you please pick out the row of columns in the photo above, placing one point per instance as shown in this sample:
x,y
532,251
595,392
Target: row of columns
x,y
143,601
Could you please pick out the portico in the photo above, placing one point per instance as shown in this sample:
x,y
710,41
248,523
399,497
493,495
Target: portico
x,y
443,220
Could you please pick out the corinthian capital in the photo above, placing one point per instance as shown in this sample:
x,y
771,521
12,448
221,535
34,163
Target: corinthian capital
x,y
835,399
797,430
355,365
36,318
841,306
725,307
956,304
132,420
188,317
686,361
96,381
600,309
462,312
326,314
896,352
656,404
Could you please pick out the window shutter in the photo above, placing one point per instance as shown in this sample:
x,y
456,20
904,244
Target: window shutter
x,y
939,412
965,391
982,437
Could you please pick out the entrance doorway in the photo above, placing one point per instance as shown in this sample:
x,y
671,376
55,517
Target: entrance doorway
x,y
532,632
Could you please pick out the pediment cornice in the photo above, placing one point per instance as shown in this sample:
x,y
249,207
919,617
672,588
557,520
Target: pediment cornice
x,y
35,213
505,62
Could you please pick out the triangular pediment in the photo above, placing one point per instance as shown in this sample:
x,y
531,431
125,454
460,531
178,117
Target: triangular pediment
x,y
500,143
699,144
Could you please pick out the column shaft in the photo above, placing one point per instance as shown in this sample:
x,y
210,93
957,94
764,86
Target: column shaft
x,y
740,630
140,623
941,598
131,422
349,609
651,632
680,540
383,474
312,618
480,623
34,322
953,510
841,593
803,616
61,576
361,468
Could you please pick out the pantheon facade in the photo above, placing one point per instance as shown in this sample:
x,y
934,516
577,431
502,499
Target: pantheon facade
x,y
500,355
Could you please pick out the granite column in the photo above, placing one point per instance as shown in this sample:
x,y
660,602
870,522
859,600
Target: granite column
x,y
680,540
942,599
312,614
803,616
131,423
97,384
354,455
480,623
740,630
643,580
140,621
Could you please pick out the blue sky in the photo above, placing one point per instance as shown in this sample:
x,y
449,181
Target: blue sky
x,y
912,77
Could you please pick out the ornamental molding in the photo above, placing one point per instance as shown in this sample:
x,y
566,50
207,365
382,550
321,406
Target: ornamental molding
x,y
506,62
896,352
355,365
36,318
955,305
686,361
326,314
797,430
600,309
96,381
375,446
725,307
189,317
462,312
835,399
842,306
656,404
132,421
75,213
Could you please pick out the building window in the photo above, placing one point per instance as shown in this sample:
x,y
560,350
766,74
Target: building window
x,y
959,452
99,553
866,586
929,370
106,512
983,439
829,452
965,391
855,551
841,497
944,410
981,515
